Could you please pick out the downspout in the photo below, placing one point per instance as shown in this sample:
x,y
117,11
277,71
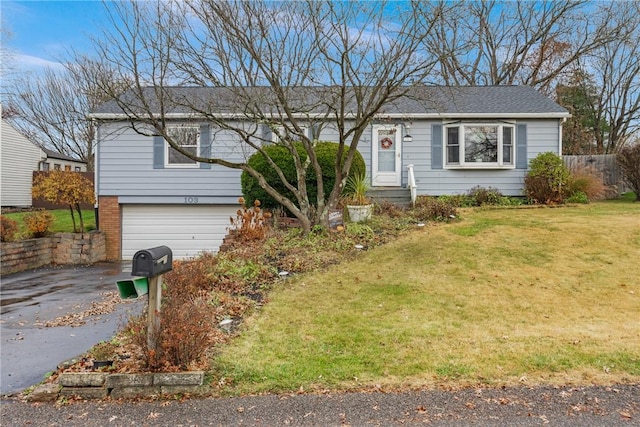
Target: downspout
x,y
564,119
96,175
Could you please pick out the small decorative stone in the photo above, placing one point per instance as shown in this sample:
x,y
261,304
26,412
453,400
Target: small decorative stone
x,y
44,393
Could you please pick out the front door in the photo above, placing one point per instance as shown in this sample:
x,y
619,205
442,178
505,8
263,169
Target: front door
x,y
386,156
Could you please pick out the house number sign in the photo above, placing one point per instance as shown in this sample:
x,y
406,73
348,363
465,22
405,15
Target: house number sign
x,y
191,200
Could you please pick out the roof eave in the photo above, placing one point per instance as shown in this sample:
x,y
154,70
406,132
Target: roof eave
x,y
405,116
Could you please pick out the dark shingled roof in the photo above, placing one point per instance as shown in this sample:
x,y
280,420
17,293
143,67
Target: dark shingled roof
x,y
421,100
55,155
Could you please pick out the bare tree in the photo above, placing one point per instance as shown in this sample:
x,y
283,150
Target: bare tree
x,y
51,109
504,43
285,65
615,67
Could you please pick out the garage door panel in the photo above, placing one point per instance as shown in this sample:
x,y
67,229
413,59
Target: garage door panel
x,y
187,230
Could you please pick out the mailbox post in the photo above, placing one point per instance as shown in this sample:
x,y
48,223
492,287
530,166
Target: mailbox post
x,y
153,263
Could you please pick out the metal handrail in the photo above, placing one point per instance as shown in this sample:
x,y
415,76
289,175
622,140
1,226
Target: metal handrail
x,y
412,185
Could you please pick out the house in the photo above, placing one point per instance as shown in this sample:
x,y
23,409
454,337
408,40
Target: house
x,y
19,158
57,161
454,138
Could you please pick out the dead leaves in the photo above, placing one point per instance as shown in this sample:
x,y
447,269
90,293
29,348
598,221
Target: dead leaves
x,y
97,308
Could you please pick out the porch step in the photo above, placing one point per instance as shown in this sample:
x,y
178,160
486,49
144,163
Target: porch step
x,y
398,196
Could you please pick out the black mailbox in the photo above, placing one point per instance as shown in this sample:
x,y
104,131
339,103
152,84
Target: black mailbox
x,y
152,262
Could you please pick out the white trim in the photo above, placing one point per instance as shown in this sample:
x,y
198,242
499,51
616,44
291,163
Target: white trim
x,y
168,148
281,129
312,116
386,179
463,164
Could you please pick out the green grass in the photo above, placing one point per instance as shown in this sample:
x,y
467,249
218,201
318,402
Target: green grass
x,y
61,224
504,296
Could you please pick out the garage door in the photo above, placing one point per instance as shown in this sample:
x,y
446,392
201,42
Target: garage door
x,y
187,230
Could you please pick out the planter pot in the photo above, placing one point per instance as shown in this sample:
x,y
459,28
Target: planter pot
x,y
360,213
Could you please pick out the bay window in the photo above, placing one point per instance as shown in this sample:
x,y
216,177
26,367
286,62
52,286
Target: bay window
x,y
479,145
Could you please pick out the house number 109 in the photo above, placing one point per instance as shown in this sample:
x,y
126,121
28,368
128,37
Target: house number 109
x,y
191,200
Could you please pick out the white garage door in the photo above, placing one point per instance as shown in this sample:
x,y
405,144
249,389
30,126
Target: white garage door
x,y
187,230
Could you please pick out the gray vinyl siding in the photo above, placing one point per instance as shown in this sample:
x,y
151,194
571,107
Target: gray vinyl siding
x,y
126,166
127,169
542,136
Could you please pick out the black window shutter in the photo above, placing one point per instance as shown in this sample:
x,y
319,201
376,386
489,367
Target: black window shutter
x,y
436,147
521,147
158,152
205,145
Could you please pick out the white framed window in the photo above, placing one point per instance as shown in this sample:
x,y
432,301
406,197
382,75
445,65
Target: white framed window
x,y
188,138
479,145
280,132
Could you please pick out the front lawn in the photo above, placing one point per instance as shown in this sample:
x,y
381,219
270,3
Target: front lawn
x,y
62,221
503,296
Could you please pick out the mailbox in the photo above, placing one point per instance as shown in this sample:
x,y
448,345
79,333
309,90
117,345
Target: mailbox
x,y
152,262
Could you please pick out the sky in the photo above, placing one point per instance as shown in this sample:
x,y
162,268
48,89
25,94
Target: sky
x,y
41,32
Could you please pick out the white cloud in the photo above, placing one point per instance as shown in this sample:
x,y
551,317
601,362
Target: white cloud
x,y
27,63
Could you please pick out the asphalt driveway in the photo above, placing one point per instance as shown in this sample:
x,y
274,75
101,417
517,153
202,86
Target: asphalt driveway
x,y
51,315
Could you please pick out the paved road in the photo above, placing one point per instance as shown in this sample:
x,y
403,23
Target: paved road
x,y
30,299
545,406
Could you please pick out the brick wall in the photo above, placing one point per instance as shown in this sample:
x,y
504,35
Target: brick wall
x,y
60,249
110,224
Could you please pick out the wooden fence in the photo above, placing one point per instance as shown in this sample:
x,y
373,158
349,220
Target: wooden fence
x,y
605,165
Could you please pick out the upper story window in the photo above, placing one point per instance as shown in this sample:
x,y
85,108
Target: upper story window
x,y
78,169
476,145
67,168
188,138
45,166
57,166
281,132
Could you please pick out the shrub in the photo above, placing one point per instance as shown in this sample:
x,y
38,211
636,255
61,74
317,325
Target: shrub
x,y
435,209
587,182
185,334
547,179
38,223
8,230
629,161
326,153
250,223
484,196
578,197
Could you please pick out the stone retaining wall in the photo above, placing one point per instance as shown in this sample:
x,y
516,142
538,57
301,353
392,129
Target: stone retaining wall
x,y
99,385
59,249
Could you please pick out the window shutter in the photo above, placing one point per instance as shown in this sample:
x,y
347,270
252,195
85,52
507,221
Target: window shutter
x,y
267,137
436,147
158,152
521,147
205,145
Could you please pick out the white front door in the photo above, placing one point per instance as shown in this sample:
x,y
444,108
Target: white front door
x,y
386,156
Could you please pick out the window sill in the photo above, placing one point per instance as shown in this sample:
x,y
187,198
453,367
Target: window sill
x,y
479,166
196,166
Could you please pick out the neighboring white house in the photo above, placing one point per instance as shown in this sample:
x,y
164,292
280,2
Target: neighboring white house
x,y
57,161
19,158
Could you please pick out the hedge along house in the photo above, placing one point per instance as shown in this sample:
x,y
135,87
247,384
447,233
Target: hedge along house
x,y
449,139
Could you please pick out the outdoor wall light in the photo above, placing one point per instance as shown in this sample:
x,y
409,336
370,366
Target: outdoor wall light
x,y
407,135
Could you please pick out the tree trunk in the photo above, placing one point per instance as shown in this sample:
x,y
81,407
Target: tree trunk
x,y
73,219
